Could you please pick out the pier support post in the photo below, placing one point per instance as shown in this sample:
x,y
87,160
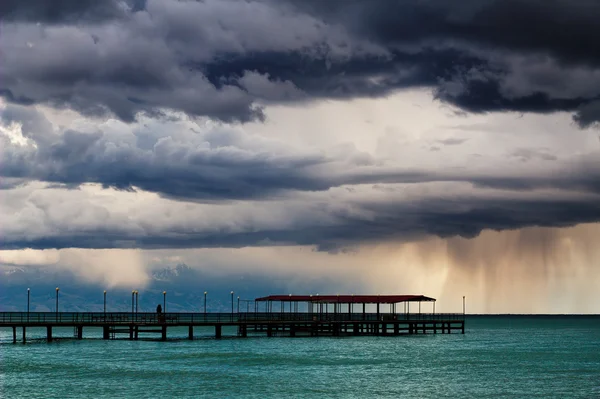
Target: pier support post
x,y
24,334
131,332
355,329
217,331
191,333
396,329
79,332
244,329
136,332
463,327
49,333
292,330
14,335
105,332
164,333
269,331
336,330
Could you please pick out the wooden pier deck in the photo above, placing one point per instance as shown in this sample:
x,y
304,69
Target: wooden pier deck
x,y
129,325
284,315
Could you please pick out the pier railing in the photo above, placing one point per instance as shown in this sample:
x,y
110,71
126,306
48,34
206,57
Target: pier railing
x,y
101,318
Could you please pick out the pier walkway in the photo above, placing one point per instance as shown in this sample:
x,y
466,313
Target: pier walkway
x,y
323,316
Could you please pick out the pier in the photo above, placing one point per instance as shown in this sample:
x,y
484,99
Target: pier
x,y
276,315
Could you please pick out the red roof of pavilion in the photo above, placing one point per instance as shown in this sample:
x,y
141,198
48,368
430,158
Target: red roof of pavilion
x,y
348,298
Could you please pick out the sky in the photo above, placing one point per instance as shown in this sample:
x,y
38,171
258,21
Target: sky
x,y
399,147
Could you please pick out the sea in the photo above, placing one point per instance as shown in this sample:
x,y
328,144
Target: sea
x,y
497,357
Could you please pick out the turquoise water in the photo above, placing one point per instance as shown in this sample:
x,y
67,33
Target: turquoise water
x,y
503,357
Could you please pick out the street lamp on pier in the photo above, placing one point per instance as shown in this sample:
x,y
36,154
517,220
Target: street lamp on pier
x,y
28,292
105,303
231,302
205,302
57,289
164,301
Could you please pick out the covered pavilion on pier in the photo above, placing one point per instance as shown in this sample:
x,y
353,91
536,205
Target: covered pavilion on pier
x,y
341,304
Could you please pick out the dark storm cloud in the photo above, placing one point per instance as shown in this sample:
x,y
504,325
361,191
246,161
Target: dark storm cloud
x,y
216,58
72,11
227,163
511,24
484,37
336,227
228,60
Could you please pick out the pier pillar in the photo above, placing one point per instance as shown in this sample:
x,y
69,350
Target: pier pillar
x,y
24,334
463,327
269,331
355,329
49,333
131,332
396,329
336,330
79,332
191,333
435,328
136,332
14,335
217,331
244,331
105,332
292,330
164,333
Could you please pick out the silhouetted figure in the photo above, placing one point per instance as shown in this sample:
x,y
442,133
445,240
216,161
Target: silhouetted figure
x,y
159,314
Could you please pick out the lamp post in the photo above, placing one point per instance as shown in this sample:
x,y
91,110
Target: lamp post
x,y
132,302
137,300
463,305
231,302
104,303
164,301
28,292
205,302
57,289
238,305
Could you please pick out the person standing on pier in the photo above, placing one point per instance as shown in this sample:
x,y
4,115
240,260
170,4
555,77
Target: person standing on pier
x,y
159,313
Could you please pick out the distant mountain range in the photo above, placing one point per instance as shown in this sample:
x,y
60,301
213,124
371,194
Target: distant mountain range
x,y
184,286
